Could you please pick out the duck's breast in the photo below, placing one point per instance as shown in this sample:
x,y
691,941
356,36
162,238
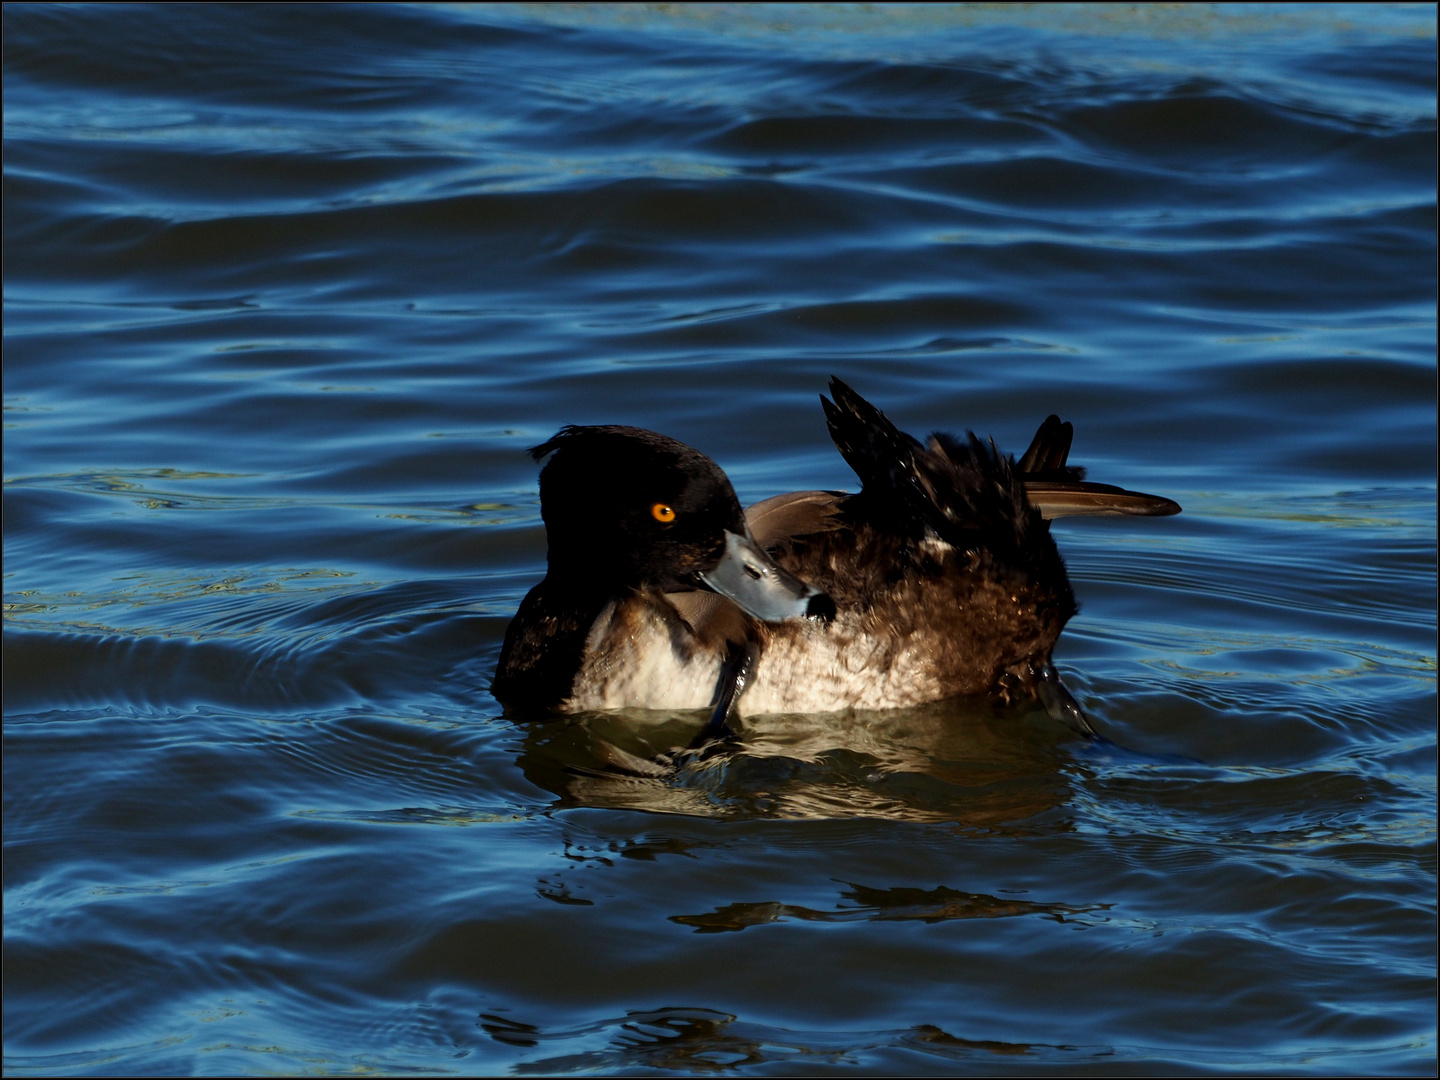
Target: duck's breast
x,y
641,655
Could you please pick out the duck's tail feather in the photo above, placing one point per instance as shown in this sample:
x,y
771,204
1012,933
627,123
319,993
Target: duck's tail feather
x,y
959,488
1049,451
1059,489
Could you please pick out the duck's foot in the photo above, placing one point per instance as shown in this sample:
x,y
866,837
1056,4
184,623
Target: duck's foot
x,y
1059,703
739,665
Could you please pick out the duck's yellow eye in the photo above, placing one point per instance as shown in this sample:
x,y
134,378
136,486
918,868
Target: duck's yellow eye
x,y
662,513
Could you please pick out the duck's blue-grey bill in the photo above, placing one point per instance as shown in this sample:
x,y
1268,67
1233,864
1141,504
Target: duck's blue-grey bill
x,y
750,577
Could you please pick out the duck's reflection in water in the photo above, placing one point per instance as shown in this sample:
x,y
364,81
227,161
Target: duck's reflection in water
x,y
974,763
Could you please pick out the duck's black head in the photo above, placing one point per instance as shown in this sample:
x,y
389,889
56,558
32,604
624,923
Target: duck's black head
x,y
633,506
627,508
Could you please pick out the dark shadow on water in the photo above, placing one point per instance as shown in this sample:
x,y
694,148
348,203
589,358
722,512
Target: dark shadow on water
x,y
940,904
697,1040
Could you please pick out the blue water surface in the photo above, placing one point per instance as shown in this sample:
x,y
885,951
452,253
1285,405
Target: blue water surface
x,y
289,289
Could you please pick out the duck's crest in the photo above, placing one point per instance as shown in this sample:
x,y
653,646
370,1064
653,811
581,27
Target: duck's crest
x,y
550,445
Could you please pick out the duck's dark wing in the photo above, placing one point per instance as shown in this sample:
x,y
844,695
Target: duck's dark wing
x,y
1058,489
883,457
963,492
